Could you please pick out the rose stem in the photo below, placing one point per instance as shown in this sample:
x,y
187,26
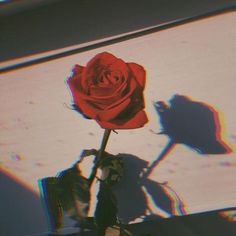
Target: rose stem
x,y
99,155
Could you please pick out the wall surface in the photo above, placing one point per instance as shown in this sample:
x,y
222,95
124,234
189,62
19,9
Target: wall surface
x,y
40,136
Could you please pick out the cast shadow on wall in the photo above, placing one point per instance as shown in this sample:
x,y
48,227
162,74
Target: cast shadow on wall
x,y
137,195
21,212
192,123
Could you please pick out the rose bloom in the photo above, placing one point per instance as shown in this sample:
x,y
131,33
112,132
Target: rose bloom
x,y
109,91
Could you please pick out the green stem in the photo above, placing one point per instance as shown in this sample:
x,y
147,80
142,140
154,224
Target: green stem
x,y
99,155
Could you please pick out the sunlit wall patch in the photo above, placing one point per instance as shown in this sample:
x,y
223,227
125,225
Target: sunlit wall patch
x,y
221,131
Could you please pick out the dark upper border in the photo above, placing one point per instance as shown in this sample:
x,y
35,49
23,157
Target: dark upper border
x,y
119,38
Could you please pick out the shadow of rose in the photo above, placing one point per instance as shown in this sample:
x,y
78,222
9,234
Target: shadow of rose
x,y
140,198
193,123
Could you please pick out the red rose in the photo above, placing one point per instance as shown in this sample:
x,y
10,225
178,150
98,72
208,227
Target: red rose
x,y
110,91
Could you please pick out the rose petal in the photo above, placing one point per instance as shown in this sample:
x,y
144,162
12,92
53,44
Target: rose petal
x,y
100,64
95,66
77,69
110,91
137,121
74,81
111,113
96,108
119,105
139,73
